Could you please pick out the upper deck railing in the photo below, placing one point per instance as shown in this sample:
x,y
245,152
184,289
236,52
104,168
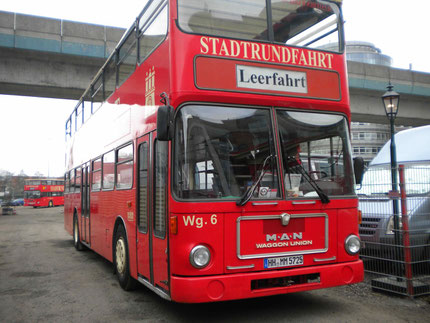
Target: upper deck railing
x,y
137,43
296,23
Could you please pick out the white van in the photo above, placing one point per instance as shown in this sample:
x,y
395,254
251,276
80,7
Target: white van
x,y
377,227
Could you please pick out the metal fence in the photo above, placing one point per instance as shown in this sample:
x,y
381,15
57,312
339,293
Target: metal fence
x,y
396,252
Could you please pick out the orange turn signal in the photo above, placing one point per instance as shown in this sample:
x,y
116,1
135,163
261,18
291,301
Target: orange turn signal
x,y
174,225
360,217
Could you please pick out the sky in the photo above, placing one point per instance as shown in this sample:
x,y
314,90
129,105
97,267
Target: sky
x,y
32,129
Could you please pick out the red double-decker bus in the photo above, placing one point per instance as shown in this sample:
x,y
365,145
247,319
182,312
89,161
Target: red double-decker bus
x,y
45,192
210,157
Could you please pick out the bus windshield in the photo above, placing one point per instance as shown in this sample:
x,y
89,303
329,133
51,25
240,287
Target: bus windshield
x,y
316,153
32,194
307,23
220,152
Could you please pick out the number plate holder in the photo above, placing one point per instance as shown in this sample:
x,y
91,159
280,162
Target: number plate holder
x,y
277,262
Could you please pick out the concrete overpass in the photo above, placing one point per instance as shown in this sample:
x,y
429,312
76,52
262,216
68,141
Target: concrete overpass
x,y
368,82
51,58
57,59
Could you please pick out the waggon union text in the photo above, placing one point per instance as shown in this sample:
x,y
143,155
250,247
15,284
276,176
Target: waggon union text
x,y
283,244
265,52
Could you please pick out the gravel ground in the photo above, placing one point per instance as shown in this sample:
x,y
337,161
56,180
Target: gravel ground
x,y
43,278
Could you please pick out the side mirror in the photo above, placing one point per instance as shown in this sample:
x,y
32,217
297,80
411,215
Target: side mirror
x,y
165,115
358,170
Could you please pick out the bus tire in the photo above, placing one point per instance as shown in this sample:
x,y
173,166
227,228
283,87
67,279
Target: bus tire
x,y
121,260
50,204
76,236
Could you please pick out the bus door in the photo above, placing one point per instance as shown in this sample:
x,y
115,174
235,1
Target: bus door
x,y
152,235
85,204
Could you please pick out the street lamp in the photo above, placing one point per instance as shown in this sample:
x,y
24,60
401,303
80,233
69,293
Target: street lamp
x,y
391,104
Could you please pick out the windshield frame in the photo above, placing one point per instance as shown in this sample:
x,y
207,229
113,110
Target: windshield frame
x,y
337,10
282,195
28,194
272,141
345,157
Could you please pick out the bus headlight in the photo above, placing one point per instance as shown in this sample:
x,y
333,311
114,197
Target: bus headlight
x,y
352,245
200,257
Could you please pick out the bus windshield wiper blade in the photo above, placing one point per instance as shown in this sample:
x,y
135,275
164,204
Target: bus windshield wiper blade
x,y
323,196
250,191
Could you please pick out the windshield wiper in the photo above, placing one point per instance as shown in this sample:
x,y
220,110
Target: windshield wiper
x,y
323,196
250,191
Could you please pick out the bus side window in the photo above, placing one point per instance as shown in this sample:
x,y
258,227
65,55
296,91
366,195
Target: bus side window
x,y
143,187
127,57
78,180
97,175
153,32
160,188
108,167
109,78
72,181
124,167
66,182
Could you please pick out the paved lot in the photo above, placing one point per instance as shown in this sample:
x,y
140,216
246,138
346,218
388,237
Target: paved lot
x,y
43,278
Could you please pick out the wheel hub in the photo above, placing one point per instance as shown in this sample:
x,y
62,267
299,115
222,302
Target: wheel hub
x,y
75,233
120,256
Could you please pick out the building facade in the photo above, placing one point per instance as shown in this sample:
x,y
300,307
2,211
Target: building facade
x,y
367,139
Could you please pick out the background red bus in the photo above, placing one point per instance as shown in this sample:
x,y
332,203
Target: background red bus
x,y
45,192
241,184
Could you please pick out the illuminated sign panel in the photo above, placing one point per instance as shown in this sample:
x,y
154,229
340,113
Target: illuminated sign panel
x,y
270,79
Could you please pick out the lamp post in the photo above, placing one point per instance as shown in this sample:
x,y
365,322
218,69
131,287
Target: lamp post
x,y
391,104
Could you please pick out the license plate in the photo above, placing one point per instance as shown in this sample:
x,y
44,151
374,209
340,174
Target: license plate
x,y
283,261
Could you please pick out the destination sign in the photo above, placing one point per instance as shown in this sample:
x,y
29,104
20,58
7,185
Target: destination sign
x,y
270,79
237,75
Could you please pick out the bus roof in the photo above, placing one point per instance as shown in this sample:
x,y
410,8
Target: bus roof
x,y
411,146
45,179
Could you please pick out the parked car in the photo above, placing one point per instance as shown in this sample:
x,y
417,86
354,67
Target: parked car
x,y
377,227
7,208
18,202
5,203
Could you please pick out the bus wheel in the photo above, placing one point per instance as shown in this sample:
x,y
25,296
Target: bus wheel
x,y
76,238
121,263
50,204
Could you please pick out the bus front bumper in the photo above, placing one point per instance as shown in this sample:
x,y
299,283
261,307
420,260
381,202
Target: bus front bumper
x,y
259,284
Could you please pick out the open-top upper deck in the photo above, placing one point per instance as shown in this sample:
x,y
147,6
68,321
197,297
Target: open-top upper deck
x,y
258,52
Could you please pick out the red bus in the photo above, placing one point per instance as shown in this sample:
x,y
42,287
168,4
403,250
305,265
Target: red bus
x,y
210,159
46,192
